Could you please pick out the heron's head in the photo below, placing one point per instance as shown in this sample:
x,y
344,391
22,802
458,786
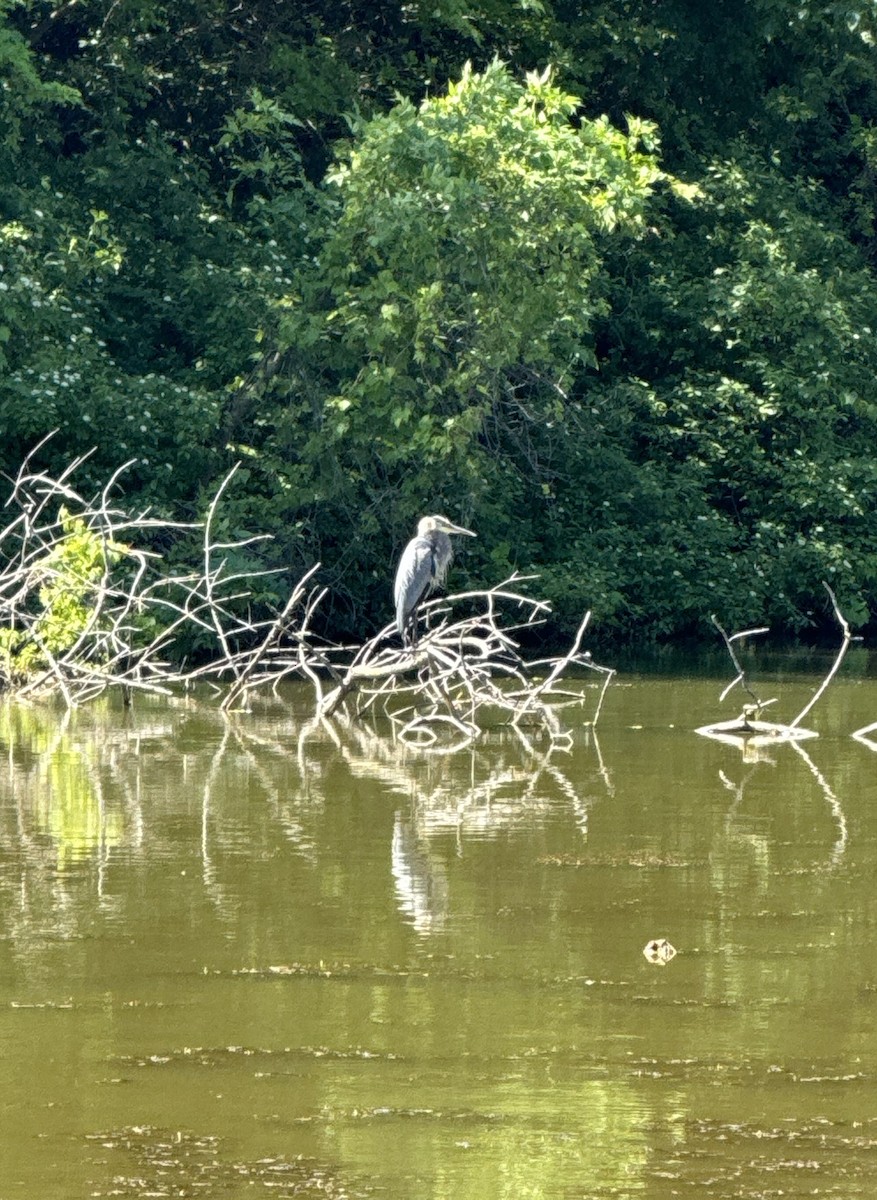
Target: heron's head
x,y
439,524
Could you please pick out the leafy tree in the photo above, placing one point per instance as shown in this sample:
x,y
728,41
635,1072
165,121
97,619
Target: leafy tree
x,y
743,357
454,294
279,232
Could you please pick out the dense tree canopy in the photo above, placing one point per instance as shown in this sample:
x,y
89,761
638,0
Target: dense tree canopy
x,y
618,313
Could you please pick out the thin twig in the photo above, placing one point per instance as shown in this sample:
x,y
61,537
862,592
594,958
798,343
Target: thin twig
x,y
741,674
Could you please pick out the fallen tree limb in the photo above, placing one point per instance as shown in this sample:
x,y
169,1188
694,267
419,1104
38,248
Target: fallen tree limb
x,y
462,669
749,725
86,604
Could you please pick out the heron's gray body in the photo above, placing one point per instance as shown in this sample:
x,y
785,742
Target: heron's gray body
x,y
422,567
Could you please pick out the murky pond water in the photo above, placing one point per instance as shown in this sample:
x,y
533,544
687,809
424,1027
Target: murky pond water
x,y
239,961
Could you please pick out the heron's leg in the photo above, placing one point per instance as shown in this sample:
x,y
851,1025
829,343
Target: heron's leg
x,y
411,629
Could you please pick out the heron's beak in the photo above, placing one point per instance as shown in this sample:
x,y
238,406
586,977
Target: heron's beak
x,y
459,529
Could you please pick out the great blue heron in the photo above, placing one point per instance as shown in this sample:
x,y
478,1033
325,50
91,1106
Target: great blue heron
x,y
422,567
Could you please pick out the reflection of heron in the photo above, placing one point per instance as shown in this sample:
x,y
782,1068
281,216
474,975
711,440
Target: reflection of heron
x,y
422,567
421,880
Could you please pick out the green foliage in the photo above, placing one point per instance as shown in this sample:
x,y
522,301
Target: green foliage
x,y
304,235
59,372
66,581
466,241
454,291
754,351
24,91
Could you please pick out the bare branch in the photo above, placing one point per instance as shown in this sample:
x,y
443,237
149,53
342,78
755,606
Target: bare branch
x,y
748,730
741,674
462,670
845,645
125,622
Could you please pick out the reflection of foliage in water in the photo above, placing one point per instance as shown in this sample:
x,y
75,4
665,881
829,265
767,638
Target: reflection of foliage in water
x,y
587,1139
57,783
67,801
75,781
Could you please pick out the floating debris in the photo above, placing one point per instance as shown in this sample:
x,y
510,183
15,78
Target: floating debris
x,y
643,858
745,730
659,951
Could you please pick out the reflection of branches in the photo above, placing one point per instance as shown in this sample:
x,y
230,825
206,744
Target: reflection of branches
x,y
487,803
861,735
271,751
833,803
499,799
516,780
756,843
77,783
463,793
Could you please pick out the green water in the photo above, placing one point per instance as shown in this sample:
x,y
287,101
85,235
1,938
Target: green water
x,y
239,961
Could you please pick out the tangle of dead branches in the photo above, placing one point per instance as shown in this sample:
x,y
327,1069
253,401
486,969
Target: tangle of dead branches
x,y
464,669
86,605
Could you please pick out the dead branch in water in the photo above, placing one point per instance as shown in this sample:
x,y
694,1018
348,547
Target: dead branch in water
x,y
462,669
748,724
844,646
85,606
740,677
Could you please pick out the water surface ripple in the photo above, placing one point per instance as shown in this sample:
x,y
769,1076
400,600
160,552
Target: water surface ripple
x,y
256,957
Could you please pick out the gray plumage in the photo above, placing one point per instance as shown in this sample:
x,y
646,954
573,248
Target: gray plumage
x,y
423,567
